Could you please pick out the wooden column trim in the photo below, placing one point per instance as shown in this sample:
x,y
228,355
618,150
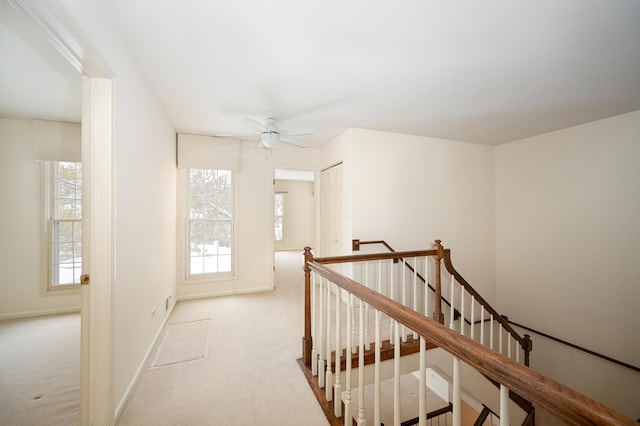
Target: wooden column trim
x,y
307,338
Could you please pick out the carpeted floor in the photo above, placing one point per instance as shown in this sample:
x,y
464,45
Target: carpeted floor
x,y
40,371
249,375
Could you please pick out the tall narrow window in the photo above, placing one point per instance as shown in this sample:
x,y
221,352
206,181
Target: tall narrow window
x,y
210,221
278,220
65,224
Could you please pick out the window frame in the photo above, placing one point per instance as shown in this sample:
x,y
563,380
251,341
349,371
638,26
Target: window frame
x,y
48,223
283,197
184,257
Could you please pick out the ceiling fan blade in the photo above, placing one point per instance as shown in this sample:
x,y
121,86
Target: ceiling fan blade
x,y
299,131
295,141
254,124
230,136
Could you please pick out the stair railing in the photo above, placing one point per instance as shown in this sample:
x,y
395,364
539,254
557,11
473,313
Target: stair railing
x,y
477,318
336,289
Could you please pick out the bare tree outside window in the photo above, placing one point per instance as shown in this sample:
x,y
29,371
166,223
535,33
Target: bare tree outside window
x,y
210,213
66,223
278,217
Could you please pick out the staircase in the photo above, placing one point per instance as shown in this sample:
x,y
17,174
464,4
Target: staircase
x,y
372,318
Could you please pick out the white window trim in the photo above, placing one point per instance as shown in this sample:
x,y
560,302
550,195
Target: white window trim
x,y
183,236
46,289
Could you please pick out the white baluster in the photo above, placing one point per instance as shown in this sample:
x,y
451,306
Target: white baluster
x,y
328,389
426,286
347,398
361,420
482,324
504,405
422,393
457,407
314,335
376,373
354,331
396,378
323,336
452,308
337,387
461,309
354,340
500,338
517,352
391,296
491,332
415,290
366,308
473,317
508,345
404,297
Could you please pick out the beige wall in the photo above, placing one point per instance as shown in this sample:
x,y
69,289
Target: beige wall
x,y
145,203
340,150
254,220
411,190
567,244
300,214
20,226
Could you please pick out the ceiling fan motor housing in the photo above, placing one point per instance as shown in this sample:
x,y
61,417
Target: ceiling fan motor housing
x,y
270,139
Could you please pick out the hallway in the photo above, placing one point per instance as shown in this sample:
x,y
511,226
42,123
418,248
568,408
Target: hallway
x,y
249,374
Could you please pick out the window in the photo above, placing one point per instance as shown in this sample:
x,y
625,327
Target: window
x,y
278,220
64,226
210,221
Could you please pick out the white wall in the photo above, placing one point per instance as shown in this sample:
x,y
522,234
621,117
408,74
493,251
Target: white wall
x,y
254,230
145,202
340,150
567,244
20,210
254,220
411,190
299,215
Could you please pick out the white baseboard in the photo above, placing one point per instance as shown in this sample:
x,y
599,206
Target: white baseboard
x,y
39,313
223,293
134,379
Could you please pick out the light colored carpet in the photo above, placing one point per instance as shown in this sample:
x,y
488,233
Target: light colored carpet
x,y
183,342
40,371
250,375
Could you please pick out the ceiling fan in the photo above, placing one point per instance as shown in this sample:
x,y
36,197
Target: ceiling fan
x,y
272,135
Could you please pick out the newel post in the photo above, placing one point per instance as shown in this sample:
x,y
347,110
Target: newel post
x,y
528,347
437,313
306,339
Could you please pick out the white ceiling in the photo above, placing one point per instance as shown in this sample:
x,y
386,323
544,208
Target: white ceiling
x,y
35,80
488,71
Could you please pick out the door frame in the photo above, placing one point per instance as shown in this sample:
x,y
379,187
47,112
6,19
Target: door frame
x,y
97,146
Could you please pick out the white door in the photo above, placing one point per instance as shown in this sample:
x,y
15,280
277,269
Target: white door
x,y
97,253
332,214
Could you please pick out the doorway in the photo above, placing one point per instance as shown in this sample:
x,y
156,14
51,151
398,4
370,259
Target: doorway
x,y
40,331
295,212
294,209
54,22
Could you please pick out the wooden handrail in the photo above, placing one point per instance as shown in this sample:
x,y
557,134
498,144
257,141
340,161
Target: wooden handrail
x,y
355,244
432,415
563,402
373,256
580,348
525,342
